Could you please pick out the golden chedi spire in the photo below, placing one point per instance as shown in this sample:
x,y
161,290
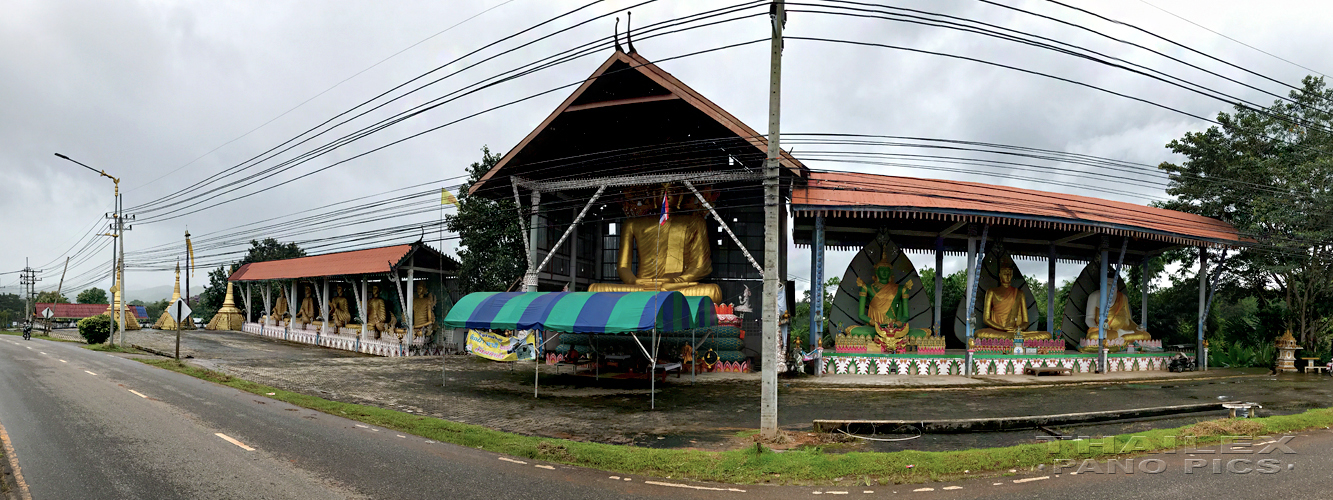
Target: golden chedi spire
x,y
164,322
113,309
228,317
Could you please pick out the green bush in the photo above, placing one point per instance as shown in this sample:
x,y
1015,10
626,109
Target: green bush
x,y
95,329
1236,355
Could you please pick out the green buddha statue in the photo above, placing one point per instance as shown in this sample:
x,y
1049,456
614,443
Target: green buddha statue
x,y
673,252
1005,313
883,307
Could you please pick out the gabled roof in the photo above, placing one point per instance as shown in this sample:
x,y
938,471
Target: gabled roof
x,y
627,91
356,262
82,310
860,195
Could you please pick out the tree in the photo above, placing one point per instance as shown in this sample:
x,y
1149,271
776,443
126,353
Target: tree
x,y
489,236
11,308
51,297
92,296
1269,172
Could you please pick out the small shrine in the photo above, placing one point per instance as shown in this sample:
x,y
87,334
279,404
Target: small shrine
x,y
1286,353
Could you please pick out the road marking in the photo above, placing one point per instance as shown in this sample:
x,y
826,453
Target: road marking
x,y
918,490
137,393
691,486
402,436
231,440
867,492
616,478
507,459
547,467
1030,479
8,449
63,361
952,488
996,484
363,426
88,372
836,492
42,353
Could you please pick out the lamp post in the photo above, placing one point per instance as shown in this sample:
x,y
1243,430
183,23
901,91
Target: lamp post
x,y
117,264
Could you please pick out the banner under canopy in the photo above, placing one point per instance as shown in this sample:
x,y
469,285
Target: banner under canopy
x,y
582,312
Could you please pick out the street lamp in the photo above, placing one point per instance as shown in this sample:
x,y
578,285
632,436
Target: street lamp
x,y
119,228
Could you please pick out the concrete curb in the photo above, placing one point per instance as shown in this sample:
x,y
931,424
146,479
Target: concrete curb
x,y
963,425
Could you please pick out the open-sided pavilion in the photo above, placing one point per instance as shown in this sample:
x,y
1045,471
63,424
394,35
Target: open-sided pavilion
x,y
396,271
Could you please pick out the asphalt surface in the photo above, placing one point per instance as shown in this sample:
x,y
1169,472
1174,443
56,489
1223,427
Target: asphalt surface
x,y
81,429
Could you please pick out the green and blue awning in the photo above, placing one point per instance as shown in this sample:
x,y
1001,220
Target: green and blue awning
x,y
582,312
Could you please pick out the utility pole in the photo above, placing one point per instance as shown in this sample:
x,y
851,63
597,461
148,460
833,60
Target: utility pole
x,y
768,400
28,280
59,289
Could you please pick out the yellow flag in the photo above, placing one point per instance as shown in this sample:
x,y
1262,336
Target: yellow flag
x,y
447,198
189,248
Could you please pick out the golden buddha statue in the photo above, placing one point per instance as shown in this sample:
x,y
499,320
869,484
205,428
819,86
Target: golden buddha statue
x,y
883,307
307,313
338,308
673,251
1119,323
378,317
1005,313
423,312
280,309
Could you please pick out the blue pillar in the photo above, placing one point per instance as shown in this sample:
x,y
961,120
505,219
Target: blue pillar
x,y
1101,313
817,292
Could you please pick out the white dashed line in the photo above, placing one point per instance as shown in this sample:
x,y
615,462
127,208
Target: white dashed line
x,y
996,484
867,492
229,439
42,353
363,426
836,492
547,467
1030,479
691,486
137,393
507,459
88,372
63,361
918,490
627,479
402,436
952,488
614,478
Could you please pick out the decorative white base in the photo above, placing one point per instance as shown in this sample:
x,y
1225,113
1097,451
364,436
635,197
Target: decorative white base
x,y
346,342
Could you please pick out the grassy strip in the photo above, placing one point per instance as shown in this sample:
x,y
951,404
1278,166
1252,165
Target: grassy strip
x,y
760,465
112,348
35,335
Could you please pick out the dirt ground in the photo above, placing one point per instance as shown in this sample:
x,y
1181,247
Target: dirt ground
x,y
718,410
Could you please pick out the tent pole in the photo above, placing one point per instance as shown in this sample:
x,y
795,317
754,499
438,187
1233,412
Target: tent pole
x,y
652,376
536,371
692,371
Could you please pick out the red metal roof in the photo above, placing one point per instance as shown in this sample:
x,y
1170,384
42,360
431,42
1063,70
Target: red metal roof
x,y
369,261
81,310
871,195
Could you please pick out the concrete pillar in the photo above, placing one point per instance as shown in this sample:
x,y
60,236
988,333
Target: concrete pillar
x,y
407,310
1202,354
1143,293
324,305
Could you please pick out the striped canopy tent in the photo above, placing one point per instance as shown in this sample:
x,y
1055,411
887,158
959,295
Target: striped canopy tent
x,y
586,312
582,312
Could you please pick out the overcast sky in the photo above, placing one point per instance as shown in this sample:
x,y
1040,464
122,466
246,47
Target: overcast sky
x,y
166,94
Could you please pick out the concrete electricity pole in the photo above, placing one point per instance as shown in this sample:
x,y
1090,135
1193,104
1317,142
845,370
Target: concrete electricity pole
x,y
768,401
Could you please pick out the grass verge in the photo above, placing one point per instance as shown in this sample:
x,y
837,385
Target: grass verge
x,y
36,335
112,348
760,465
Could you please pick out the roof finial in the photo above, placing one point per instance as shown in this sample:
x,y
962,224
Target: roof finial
x,y
629,16
617,36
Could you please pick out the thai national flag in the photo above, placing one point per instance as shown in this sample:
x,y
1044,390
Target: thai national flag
x,y
666,210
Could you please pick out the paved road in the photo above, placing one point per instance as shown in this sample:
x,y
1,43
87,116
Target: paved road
x,y
81,429
86,424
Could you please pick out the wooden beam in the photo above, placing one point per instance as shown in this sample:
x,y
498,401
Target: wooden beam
x,y
1078,236
619,102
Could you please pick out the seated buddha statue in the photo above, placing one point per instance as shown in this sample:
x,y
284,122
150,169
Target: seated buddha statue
x,y
378,317
1005,313
280,310
338,308
672,248
307,313
1119,322
423,312
883,307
